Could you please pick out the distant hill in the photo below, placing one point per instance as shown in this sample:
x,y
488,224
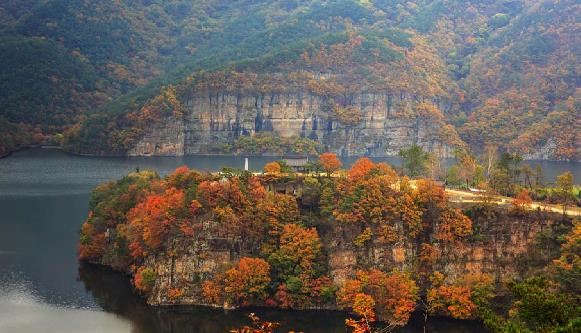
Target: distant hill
x,y
501,73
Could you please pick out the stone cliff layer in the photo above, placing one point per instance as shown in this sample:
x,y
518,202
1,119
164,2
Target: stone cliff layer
x,y
213,119
504,246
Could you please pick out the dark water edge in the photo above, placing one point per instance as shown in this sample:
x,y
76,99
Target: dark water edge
x,y
113,293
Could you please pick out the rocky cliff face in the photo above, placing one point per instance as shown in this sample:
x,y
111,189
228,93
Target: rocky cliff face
x,y
499,247
166,139
545,152
502,247
215,118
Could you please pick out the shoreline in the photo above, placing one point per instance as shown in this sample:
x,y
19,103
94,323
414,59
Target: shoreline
x,y
416,317
7,154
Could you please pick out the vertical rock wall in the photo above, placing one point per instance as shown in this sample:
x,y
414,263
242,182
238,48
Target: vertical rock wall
x,y
216,118
500,247
165,139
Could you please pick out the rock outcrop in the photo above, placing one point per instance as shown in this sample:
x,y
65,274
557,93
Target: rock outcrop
x,y
213,119
498,248
544,152
503,246
165,139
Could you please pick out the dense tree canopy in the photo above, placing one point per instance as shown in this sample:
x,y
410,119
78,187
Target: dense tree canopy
x,y
247,244
501,72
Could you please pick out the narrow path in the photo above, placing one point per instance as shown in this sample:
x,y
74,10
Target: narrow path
x,y
467,196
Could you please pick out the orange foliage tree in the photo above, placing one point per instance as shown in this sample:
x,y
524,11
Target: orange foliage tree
x,y
184,179
364,306
247,282
453,225
452,300
367,195
152,221
460,300
107,218
431,196
212,291
330,163
224,192
394,294
275,211
91,244
144,279
299,250
522,202
410,213
272,168
360,168
297,265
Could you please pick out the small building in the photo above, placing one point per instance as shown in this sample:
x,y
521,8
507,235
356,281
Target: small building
x,y
297,163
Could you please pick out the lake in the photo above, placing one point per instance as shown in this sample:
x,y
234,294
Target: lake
x,y
43,288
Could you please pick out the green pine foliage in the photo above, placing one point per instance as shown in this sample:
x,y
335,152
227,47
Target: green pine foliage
x,y
510,64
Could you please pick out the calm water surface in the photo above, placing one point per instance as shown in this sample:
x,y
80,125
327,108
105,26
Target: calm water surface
x,y
43,201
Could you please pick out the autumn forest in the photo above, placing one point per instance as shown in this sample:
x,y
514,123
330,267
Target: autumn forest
x,y
499,73
365,240
418,164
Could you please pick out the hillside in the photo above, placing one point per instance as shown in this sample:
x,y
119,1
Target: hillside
x,y
122,76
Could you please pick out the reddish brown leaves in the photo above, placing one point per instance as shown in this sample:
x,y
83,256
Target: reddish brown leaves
x,y
453,300
453,225
272,168
152,220
301,246
394,295
367,195
360,168
92,243
246,283
212,292
330,162
522,202
144,279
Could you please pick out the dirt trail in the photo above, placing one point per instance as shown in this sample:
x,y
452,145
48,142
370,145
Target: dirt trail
x,y
466,196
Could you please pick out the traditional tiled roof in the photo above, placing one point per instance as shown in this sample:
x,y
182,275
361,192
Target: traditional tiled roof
x,y
296,161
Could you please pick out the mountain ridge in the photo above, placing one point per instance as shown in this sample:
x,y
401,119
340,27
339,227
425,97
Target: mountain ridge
x,y
502,55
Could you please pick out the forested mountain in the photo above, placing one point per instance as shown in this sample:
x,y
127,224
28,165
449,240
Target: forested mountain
x,y
466,74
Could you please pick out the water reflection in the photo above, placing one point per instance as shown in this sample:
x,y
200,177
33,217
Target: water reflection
x,y
21,310
112,292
